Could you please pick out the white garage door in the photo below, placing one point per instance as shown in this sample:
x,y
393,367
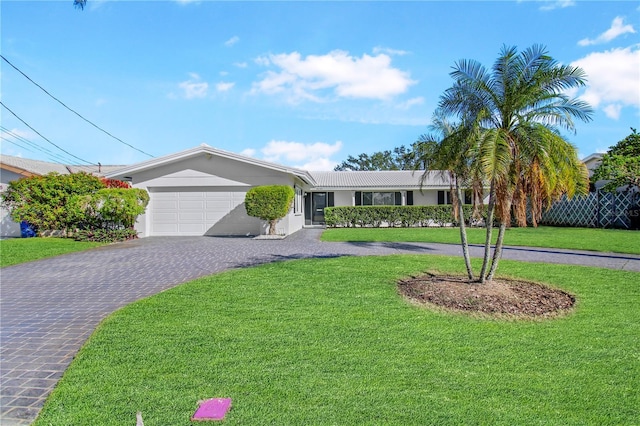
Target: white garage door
x,y
193,212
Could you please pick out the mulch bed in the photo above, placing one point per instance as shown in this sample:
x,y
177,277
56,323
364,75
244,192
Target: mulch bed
x,y
499,298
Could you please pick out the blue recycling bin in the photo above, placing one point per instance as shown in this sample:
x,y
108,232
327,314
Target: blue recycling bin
x,y
26,230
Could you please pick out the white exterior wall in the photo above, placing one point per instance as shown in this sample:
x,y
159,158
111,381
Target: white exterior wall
x,y
211,184
343,198
8,228
428,197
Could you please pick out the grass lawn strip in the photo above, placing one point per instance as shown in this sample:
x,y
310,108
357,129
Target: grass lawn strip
x,y
20,250
330,341
603,240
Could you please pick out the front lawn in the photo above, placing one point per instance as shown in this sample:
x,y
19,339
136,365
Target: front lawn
x,y
330,342
604,240
20,250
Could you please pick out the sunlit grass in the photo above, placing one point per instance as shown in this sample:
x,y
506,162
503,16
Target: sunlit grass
x,y
20,250
604,240
330,342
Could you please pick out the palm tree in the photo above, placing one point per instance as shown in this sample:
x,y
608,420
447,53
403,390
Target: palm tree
x,y
450,153
518,108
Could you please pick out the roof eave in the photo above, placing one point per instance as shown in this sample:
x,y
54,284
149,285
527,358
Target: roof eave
x,y
205,149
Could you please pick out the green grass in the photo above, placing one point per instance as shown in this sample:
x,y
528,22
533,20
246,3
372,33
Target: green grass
x,y
20,250
330,342
604,240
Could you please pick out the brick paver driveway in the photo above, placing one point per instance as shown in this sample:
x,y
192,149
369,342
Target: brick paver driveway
x,y
50,307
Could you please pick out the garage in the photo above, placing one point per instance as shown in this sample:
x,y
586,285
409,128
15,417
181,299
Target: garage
x,y
190,212
201,191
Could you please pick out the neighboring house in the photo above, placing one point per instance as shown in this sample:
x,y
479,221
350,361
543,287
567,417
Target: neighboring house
x,y
201,191
12,168
592,162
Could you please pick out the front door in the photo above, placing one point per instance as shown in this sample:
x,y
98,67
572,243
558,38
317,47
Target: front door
x,y
315,203
318,204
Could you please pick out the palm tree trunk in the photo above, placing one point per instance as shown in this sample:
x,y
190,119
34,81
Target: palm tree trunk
x,y
497,252
489,225
463,232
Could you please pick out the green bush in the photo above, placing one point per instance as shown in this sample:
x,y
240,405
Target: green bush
x,y
43,201
393,216
270,203
109,208
105,235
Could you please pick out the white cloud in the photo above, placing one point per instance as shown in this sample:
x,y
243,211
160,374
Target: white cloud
x,y
368,77
249,152
313,156
26,134
241,64
224,87
233,40
617,29
194,88
318,165
389,51
411,102
557,4
612,111
613,79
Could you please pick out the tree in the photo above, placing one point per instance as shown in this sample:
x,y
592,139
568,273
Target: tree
x,y
621,165
514,112
109,208
43,201
270,203
400,158
79,4
451,154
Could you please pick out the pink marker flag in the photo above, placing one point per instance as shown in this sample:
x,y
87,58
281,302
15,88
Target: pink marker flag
x,y
212,409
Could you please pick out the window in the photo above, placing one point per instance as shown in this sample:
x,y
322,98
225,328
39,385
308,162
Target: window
x,y
378,198
444,197
298,200
468,196
409,198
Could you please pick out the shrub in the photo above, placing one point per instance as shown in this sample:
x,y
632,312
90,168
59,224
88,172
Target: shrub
x,y
105,235
115,183
270,203
393,216
43,201
109,208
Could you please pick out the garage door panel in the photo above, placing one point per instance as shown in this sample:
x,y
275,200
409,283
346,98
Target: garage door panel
x,y
165,204
190,204
166,216
191,216
191,229
194,212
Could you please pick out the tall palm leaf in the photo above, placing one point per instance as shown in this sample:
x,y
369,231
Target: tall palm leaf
x,y
520,105
451,143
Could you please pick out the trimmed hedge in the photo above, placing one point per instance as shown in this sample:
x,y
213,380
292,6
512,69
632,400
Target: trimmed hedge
x,y
393,216
270,203
105,235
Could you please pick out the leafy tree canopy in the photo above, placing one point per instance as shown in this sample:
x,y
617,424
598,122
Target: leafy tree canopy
x,y
621,164
400,158
43,201
270,203
511,116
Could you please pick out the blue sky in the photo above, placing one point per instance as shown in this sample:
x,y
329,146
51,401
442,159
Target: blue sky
x,y
303,84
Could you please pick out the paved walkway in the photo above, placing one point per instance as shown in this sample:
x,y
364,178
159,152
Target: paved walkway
x,y
50,307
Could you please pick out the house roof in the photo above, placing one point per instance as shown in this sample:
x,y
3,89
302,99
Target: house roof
x,y
206,149
397,179
28,167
